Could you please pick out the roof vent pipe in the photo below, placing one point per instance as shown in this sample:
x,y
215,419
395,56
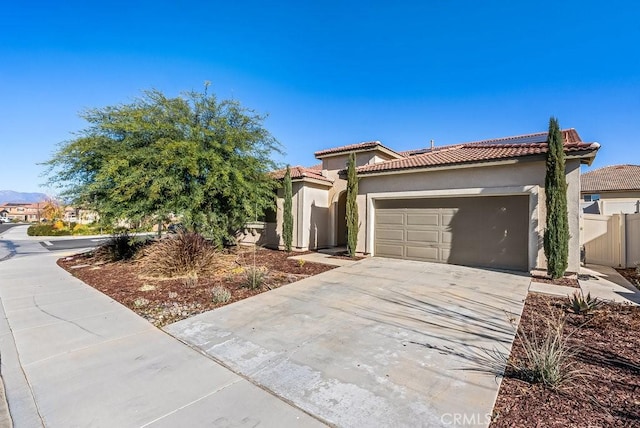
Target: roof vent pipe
x,y
432,144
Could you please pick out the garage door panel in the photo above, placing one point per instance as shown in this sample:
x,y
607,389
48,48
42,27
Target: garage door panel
x,y
446,218
429,254
426,236
391,234
426,219
390,219
390,250
489,231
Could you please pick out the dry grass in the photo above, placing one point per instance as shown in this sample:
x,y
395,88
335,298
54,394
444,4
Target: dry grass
x,y
183,255
548,357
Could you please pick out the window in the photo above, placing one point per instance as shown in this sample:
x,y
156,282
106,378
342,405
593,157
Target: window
x,y
592,198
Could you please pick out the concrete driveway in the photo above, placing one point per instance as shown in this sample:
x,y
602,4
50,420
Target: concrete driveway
x,y
378,343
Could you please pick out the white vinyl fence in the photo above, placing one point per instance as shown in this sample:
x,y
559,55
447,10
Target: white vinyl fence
x,y
611,240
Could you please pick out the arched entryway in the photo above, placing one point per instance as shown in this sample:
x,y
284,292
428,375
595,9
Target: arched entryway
x,y
341,220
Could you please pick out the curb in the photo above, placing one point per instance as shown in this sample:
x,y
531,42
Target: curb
x,y
5,416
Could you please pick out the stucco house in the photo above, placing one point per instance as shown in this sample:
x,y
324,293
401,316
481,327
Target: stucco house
x,y
611,190
22,211
479,203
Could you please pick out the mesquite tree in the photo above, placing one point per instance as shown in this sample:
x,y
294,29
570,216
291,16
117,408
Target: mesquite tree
x,y
556,235
352,206
193,156
287,226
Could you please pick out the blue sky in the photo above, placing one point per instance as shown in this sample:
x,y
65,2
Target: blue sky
x,y
328,73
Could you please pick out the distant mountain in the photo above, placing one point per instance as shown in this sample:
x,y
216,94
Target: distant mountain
x,y
21,197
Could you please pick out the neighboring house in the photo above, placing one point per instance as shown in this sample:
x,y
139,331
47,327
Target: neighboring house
x,y
33,212
22,211
611,190
478,204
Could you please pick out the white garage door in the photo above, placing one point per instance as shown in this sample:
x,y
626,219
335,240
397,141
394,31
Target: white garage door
x,y
476,231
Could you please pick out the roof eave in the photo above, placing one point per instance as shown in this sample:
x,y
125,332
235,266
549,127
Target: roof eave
x,y
312,180
378,147
462,165
586,156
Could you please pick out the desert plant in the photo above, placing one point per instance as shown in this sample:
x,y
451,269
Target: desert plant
x,y
549,358
581,305
220,294
190,280
301,263
254,277
179,256
121,246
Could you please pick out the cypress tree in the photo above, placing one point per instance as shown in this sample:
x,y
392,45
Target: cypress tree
x,y
556,235
287,226
352,206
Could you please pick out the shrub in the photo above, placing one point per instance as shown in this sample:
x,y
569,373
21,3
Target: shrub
x,y
190,280
80,229
58,225
220,294
39,230
549,358
254,277
46,230
581,305
179,255
121,246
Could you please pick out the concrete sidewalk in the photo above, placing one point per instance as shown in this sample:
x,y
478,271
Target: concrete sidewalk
x,y
72,356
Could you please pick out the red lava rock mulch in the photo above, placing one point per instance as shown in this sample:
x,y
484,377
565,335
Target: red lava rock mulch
x,y
631,275
607,393
164,301
569,280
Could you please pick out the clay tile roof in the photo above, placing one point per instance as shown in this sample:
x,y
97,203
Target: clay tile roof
x,y
368,145
481,151
611,178
300,172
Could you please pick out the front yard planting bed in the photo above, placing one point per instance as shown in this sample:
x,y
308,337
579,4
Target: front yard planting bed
x,y
164,301
606,391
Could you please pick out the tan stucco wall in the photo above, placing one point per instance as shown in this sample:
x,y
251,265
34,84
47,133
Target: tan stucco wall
x,y
573,207
514,178
310,230
315,226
